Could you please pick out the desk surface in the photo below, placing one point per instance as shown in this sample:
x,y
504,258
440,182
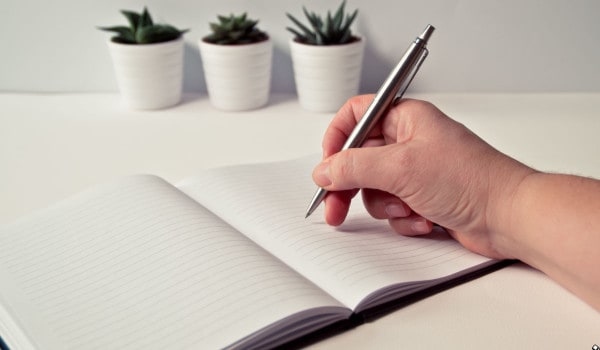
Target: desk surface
x,y
52,146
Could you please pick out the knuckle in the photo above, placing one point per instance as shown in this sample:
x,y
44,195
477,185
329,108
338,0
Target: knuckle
x,y
358,99
404,162
342,168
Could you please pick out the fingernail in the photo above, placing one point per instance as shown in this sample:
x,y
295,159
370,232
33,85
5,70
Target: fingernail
x,y
396,211
420,226
321,174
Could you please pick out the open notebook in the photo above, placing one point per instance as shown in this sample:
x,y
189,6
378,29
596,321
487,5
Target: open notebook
x,y
223,259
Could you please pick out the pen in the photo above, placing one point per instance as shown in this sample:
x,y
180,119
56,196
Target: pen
x,y
398,81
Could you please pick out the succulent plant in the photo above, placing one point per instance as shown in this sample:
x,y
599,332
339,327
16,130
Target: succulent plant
x,y
142,30
235,30
334,30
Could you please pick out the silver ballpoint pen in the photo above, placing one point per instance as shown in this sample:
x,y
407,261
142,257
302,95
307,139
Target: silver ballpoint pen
x,y
398,81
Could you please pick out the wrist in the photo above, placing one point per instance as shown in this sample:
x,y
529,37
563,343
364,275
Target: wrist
x,y
509,181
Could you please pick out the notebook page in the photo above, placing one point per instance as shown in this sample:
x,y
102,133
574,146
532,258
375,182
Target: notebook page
x,y
267,202
137,264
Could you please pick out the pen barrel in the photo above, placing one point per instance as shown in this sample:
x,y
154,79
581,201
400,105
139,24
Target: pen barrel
x,y
399,76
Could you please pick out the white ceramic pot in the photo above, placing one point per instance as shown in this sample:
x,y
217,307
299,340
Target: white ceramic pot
x,y
149,76
326,76
238,77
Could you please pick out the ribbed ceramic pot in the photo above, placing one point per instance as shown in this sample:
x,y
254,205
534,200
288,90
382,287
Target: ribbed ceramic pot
x,y
149,76
238,77
326,76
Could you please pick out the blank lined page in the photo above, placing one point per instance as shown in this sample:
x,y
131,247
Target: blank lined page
x,y
138,264
267,202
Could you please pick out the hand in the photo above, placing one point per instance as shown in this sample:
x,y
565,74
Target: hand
x,y
420,167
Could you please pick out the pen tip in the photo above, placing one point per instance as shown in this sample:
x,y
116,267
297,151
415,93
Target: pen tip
x,y
427,33
317,198
309,211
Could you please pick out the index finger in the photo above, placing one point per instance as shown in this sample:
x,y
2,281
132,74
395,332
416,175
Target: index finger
x,y
344,122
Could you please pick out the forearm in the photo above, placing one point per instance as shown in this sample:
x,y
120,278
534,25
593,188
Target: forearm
x,y
554,226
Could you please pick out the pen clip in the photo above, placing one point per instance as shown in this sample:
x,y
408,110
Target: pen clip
x,y
420,61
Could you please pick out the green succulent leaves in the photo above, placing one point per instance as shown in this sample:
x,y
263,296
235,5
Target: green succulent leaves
x,y
235,30
333,30
142,30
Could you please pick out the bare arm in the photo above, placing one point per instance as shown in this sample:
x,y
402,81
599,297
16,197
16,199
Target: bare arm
x,y
553,225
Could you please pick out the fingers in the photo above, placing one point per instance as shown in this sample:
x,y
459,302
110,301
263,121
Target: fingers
x,y
383,205
381,168
344,122
337,205
380,205
412,225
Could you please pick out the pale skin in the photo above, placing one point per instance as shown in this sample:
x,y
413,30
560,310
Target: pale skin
x,y
420,167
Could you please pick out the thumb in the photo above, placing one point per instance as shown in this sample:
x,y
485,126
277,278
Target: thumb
x,y
370,167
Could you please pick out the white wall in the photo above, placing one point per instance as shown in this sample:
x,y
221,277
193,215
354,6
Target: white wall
x,y
487,46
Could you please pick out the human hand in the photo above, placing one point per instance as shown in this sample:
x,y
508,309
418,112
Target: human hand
x,y
420,167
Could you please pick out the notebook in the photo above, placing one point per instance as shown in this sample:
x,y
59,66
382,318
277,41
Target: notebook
x,y
223,259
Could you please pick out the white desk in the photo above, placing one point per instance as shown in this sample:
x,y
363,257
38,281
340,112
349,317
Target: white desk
x,y
52,146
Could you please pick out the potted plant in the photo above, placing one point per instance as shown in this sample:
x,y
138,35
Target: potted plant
x,y
327,59
148,61
236,57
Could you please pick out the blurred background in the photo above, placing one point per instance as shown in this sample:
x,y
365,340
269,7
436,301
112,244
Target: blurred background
x,y
479,46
